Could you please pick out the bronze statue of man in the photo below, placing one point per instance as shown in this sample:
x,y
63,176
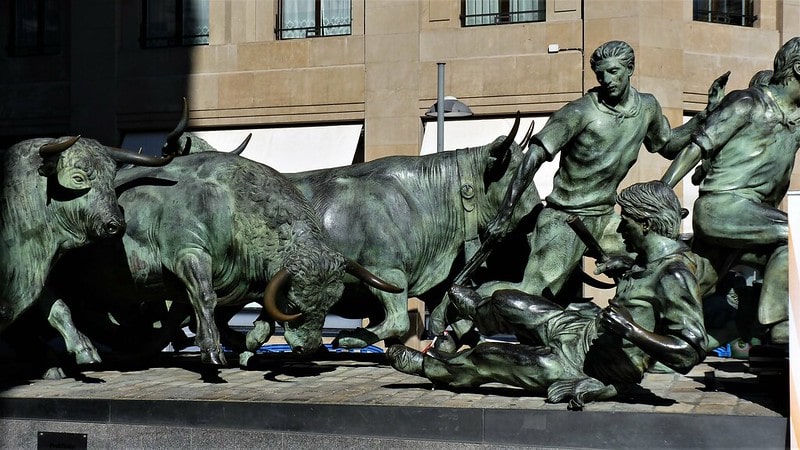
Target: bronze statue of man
x,y
748,146
656,315
598,137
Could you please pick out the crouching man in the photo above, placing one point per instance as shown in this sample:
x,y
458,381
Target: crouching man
x,y
656,315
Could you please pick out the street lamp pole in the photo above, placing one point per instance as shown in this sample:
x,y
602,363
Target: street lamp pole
x,y
440,108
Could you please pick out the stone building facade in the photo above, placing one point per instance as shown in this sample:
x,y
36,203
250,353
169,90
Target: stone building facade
x,y
92,70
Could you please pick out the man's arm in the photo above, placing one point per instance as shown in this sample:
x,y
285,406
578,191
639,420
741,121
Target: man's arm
x,y
683,346
680,136
562,127
720,126
681,165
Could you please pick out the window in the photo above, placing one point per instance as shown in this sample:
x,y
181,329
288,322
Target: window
x,y
36,28
732,12
314,18
172,23
494,12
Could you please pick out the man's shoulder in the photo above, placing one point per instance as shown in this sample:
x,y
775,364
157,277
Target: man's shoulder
x,y
744,98
650,103
588,100
679,264
647,98
576,111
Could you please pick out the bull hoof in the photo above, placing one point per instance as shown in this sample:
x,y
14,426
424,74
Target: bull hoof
x,y
244,358
214,358
54,373
88,355
779,333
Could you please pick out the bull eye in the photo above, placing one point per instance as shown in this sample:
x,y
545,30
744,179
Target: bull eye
x,y
73,179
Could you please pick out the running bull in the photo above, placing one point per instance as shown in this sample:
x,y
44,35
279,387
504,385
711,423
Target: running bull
x,y
407,219
215,229
57,195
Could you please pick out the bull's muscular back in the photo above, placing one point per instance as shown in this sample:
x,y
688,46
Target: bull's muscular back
x,y
397,212
243,214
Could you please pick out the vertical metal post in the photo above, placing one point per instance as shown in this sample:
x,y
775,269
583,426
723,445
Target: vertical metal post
x,y
440,108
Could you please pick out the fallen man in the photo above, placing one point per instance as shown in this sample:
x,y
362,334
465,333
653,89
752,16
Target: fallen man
x,y
655,316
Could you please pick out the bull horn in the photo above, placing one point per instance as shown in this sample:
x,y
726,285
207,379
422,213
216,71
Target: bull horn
x,y
126,157
527,139
171,147
54,148
270,294
240,149
360,272
506,144
500,155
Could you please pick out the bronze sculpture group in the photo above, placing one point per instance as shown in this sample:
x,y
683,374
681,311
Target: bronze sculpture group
x,y
214,229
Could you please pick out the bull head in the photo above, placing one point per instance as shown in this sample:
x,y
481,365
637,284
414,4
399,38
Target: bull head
x,y
283,276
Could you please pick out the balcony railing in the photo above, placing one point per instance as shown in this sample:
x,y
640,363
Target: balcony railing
x,y
315,31
498,18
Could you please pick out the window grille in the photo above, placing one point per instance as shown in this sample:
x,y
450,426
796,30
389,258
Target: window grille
x,y
495,12
300,19
174,23
731,12
36,27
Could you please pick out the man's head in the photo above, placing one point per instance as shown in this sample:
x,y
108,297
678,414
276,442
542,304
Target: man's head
x,y
787,62
613,64
613,49
653,205
761,78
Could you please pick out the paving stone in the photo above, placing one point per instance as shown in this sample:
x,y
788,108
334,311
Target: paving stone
x,y
341,381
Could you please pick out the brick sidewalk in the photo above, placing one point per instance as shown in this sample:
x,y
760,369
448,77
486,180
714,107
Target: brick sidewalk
x,y
718,386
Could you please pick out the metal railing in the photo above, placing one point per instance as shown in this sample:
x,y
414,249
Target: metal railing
x,y
315,31
744,20
498,18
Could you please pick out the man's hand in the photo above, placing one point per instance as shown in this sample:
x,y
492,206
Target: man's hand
x,y
716,92
614,266
617,320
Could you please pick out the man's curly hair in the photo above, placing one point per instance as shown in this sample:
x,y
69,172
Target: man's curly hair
x,y
652,203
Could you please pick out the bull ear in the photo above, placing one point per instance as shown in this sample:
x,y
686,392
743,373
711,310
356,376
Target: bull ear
x,y
500,155
49,167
